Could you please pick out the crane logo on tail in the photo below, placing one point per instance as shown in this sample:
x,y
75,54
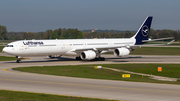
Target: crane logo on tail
x,y
145,31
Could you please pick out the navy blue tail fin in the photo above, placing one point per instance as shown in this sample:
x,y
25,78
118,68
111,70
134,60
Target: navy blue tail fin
x,y
143,32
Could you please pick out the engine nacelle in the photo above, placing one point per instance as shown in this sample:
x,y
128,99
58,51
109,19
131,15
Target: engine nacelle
x,y
88,55
121,52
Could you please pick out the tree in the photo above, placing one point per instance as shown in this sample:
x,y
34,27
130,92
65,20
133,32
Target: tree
x,y
30,35
3,32
40,35
71,34
127,34
54,34
48,34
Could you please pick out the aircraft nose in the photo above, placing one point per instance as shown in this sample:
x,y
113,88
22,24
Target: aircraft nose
x,y
4,50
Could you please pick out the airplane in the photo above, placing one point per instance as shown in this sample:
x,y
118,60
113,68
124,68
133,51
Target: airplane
x,y
83,49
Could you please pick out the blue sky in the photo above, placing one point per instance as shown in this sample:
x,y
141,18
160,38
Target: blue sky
x,y
40,15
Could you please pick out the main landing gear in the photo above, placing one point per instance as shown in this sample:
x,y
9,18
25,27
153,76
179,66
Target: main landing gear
x,y
96,59
78,58
18,59
99,58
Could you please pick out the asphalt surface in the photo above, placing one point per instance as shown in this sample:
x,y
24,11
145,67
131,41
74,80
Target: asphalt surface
x,y
106,89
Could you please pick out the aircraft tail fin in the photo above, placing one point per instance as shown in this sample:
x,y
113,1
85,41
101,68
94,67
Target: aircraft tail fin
x,y
143,33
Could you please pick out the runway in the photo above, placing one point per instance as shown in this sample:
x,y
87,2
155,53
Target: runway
x,y
106,89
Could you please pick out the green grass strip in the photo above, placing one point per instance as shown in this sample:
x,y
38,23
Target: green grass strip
x,y
87,71
156,51
5,58
25,96
1,47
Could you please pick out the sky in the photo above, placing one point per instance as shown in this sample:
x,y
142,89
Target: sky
x,y
41,15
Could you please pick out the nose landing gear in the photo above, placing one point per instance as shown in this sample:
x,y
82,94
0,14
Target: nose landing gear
x,y
18,59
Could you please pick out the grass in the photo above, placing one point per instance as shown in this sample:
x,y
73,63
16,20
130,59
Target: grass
x,y
5,58
1,47
87,71
6,41
175,44
3,44
24,96
169,70
156,51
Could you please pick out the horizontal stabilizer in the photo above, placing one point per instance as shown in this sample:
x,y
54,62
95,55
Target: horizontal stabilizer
x,y
147,45
157,39
170,42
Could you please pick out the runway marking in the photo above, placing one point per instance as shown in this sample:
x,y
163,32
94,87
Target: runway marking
x,y
5,69
92,86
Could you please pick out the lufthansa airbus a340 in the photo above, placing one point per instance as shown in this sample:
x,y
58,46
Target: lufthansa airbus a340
x,y
82,49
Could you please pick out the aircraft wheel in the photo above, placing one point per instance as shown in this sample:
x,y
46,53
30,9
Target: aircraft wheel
x,y
17,61
102,59
78,58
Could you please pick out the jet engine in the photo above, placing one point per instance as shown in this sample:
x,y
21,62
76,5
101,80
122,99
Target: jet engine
x,y
121,52
88,55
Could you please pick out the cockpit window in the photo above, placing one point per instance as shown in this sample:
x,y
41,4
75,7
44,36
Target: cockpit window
x,y
9,45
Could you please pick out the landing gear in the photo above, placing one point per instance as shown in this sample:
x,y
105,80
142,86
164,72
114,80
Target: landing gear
x,y
78,58
99,58
54,56
18,59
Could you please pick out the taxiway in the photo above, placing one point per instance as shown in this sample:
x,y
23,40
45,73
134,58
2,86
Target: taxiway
x,y
94,88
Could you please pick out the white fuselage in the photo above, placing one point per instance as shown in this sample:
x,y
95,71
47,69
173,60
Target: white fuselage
x,y
60,47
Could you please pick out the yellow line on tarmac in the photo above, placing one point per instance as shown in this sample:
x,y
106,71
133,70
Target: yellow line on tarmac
x,y
5,69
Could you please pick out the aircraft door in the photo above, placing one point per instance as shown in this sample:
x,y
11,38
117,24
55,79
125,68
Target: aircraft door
x,y
21,46
63,46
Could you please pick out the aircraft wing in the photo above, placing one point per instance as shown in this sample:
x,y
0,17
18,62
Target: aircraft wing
x,y
114,47
99,48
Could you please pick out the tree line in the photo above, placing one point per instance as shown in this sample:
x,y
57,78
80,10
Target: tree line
x,y
154,34
77,34
49,34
